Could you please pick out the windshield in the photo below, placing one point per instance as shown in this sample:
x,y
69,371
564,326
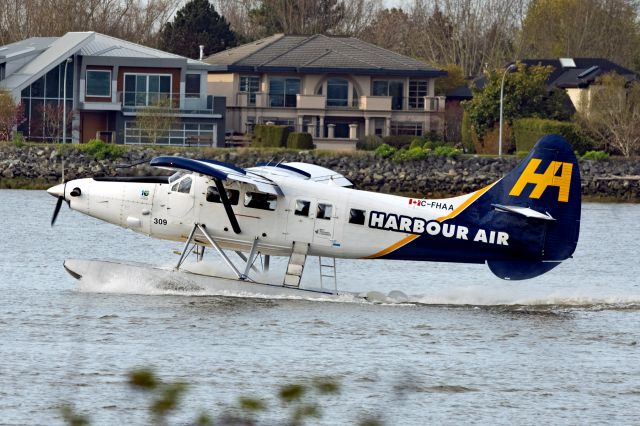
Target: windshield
x,y
177,175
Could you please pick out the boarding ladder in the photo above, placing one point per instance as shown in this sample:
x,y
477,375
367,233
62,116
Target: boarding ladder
x,y
295,267
328,272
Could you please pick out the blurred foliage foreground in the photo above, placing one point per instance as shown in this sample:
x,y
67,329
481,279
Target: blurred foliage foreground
x,y
298,402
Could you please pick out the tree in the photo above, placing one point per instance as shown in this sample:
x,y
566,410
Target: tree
x,y
52,118
156,121
197,23
612,113
473,34
582,28
453,79
134,20
297,16
11,115
525,95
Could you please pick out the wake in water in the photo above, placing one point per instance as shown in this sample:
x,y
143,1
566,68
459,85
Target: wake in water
x,y
505,295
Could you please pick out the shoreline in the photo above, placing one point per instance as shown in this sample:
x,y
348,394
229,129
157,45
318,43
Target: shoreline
x,y
39,166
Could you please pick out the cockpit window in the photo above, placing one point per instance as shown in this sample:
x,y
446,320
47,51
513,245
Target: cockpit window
x,y
185,185
177,175
213,196
259,200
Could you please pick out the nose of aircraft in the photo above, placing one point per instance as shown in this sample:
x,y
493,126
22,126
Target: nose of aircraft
x,y
57,191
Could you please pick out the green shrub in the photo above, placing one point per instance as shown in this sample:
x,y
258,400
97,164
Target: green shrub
x,y
272,136
433,143
18,139
595,155
385,151
527,131
300,140
369,143
398,141
417,142
446,151
99,150
411,154
465,131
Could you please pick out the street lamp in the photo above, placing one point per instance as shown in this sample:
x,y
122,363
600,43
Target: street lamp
x,y
64,101
509,68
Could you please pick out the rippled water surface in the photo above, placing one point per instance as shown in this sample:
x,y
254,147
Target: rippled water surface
x,y
468,348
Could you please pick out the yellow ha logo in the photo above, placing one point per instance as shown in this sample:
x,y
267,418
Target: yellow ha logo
x,y
542,181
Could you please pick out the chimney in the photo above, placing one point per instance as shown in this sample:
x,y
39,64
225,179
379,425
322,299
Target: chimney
x,y
201,51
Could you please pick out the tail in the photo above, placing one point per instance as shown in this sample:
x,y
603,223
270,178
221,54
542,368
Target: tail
x,y
538,204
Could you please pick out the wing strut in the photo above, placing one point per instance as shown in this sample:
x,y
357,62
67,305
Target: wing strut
x,y
227,205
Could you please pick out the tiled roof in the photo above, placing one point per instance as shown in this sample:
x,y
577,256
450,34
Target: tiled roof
x,y
584,73
318,53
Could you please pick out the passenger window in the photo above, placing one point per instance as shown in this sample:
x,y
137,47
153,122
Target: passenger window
x,y
356,216
302,208
185,185
324,211
259,200
213,196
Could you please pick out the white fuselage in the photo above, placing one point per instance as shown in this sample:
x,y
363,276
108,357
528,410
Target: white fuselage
x,y
335,221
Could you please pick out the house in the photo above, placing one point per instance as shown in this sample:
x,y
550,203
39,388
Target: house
x,y
577,75
108,84
339,89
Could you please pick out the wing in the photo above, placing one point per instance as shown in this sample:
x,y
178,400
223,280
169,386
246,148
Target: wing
x,y
218,170
305,171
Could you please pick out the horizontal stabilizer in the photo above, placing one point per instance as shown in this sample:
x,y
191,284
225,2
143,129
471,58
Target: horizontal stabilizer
x,y
524,211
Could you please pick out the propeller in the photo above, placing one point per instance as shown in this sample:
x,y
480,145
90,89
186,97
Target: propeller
x,y
56,210
57,191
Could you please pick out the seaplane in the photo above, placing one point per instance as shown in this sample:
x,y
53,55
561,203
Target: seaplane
x,y
521,226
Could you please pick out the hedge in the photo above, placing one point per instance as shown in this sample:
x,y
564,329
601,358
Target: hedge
x,y
268,135
300,140
527,131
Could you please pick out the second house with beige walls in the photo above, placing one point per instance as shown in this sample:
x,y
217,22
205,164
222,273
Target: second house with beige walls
x,y
339,89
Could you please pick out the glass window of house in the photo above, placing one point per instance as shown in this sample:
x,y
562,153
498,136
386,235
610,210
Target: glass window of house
x,y
380,88
53,83
283,92
251,85
213,196
259,200
418,89
192,86
393,88
146,89
324,211
337,92
98,83
302,208
356,216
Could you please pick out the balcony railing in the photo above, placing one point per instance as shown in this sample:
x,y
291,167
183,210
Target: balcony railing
x,y
375,103
168,103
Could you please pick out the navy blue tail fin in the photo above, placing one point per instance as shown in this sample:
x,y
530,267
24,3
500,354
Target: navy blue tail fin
x,y
540,202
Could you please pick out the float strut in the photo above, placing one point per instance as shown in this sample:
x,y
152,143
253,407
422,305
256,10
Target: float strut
x,y
222,254
185,250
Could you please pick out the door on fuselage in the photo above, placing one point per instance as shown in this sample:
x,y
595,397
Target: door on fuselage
x,y
325,218
174,203
300,223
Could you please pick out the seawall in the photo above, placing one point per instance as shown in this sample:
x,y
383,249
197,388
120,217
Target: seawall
x,y
37,166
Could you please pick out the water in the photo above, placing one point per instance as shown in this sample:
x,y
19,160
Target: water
x,y
562,348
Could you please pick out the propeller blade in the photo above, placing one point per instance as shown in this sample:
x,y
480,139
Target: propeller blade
x,y
56,210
